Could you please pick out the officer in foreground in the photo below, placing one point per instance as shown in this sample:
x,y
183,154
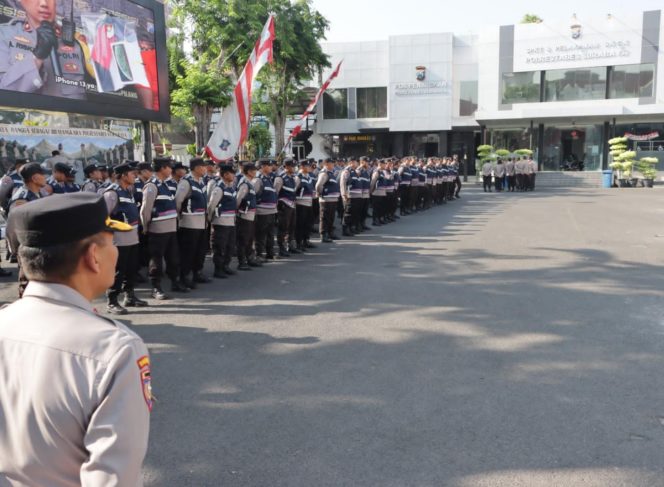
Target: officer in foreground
x,y
75,409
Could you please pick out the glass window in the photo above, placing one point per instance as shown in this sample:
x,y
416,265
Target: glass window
x,y
335,104
632,81
521,87
467,98
514,138
575,84
372,102
573,147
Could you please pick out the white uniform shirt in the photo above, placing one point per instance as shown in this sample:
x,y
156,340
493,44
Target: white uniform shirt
x,y
75,393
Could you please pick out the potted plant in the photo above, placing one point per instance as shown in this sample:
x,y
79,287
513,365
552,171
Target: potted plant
x,y
646,166
484,153
617,146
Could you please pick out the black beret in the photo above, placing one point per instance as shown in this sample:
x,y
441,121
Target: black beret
x,y
289,162
62,167
143,166
264,162
305,162
197,161
224,168
87,170
161,162
39,223
125,167
248,166
29,170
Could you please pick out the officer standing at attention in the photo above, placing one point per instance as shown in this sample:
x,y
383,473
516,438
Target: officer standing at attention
x,y
35,59
365,181
191,203
34,180
93,179
378,194
10,182
487,170
285,185
246,224
351,192
510,174
122,206
59,183
159,222
75,409
221,211
328,191
304,214
266,211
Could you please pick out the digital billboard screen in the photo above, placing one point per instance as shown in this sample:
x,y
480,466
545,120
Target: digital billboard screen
x,y
98,57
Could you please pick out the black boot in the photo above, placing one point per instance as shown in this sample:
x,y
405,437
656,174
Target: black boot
x,y
243,266
177,286
189,283
132,301
346,232
228,270
256,263
200,278
159,295
220,274
113,307
283,253
309,245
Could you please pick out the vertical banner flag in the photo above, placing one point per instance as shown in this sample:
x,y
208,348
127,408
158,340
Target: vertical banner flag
x,y
231,130
312,105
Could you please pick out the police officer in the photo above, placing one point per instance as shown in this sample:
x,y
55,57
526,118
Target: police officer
x,y
75,409
34,181
34,57
327,188
121,206
405,178
378,194
93,178
285,185
179,171
266,211
304,199
222,211
365,180
351,191
59,182
159,222
191,203
246,222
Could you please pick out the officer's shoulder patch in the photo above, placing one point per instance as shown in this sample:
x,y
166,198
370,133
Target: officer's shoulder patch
x,y
146,380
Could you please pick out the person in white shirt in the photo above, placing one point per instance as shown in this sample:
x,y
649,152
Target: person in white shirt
x,y
487,170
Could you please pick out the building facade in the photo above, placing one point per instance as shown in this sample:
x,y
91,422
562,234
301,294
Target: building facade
x,y
562,89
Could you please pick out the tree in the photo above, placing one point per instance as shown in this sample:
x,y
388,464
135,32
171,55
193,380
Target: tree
x,y
531,19
222,34
259,141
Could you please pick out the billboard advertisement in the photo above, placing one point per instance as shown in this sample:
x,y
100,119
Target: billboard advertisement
x,y
98,57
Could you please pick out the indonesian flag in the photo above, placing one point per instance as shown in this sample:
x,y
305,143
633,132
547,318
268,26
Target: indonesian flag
x,y
231,131
298,128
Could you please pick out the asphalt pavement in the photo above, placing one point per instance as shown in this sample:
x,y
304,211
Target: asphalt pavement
x,y
500,340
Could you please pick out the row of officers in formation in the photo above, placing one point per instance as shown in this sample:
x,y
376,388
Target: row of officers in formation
x,y
511,174
179,214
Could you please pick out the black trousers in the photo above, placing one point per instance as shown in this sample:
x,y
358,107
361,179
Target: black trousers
x,y
163,247
125,271
531,181
499,183
223,246
511,182
246,232
486,183
412,197
143,252
457,183
265,234
286,224
328,211
520,182
315,210
340,208
428,196
304,216
404,195
193,247
378,205
366,203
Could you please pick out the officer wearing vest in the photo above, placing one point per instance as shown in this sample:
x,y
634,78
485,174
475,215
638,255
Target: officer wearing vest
x,y
351,192
179,171
159,221
328,191
405,178
93,178
285,185
221,212
304,200
390,192
59,183
378,193
266,211
191,202
122,207
246,222
144,175
365,183
414,185
10,183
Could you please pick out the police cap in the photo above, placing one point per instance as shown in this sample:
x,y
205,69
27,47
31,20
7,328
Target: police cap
x,y
224,168
125,167
39,224
248,166
63,168
289,162
159,163
198,161
89,169
29,170
144,166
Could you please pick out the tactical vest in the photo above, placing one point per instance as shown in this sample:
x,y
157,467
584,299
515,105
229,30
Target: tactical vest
x,y
164,204
196,203
287,192
126,211
138,191
228,203
406,177
268,197
171,184
365,181
248,204
422,175
331,191
354,184
23,193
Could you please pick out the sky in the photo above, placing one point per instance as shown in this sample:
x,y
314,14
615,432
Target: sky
x,y
365,20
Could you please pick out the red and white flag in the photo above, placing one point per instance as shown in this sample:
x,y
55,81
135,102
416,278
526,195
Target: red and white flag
x,y
312,105
231,131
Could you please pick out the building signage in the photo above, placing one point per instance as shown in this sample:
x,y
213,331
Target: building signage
x,y
579,43
423,88
650,136
359,138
